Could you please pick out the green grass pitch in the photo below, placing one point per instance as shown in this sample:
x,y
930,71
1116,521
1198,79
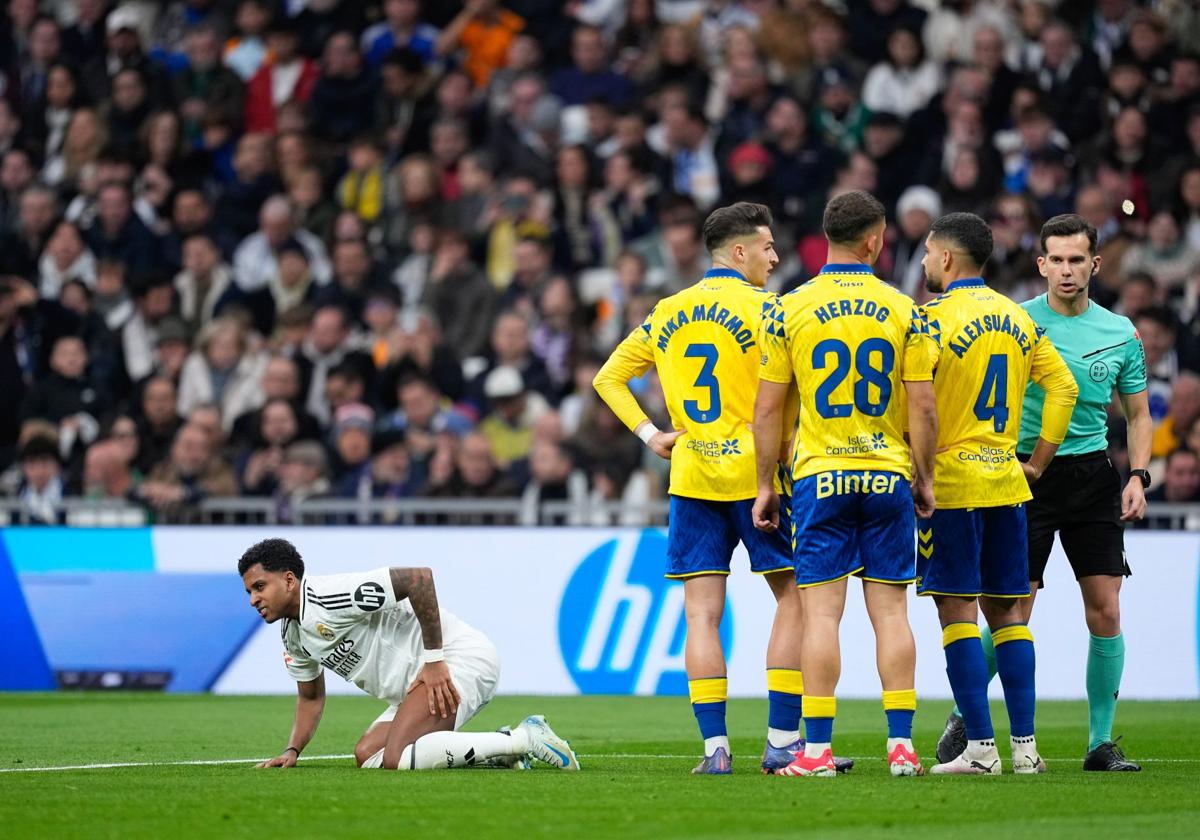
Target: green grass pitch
x,y
636,755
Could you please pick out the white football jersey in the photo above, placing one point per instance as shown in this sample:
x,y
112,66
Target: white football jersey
x,y
354,626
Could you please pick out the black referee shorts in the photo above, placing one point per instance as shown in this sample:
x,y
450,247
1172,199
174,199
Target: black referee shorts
x,y
1079,496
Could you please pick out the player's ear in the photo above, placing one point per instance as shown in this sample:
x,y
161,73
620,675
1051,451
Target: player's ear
x,y
1095,265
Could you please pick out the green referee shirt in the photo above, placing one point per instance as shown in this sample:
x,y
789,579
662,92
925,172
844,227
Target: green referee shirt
x,y
1103,351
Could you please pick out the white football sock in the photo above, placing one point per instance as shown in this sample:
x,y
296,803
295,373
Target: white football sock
x,y
711,744
812,750
782,737
907,742
374,762
980,748
441,750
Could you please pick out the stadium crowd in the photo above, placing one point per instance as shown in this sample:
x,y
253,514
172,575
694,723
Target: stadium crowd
x,y
365,249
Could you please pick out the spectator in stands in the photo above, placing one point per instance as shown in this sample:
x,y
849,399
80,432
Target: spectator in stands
x,y
422,416
392,474
484,31
258,467
1183,409
65,259
246,51
405,107
1165,255
401,28
509,426
905,81
303,475
224,370
17,174
1181,480
590,74
420,349
916,211
510,347
1158,328
351,437
287,76
191,474
67,395
473,475
118,234
342,100
353,276
154,301
41,489
106,473
553,477
203,282
205,84
328,344
254,262
159,422
689,145
458,294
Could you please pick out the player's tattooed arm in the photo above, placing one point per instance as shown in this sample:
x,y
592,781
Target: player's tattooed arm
x,y
416,585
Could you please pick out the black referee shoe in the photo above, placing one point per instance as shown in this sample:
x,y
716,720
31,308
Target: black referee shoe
x,y
953,742
1108,756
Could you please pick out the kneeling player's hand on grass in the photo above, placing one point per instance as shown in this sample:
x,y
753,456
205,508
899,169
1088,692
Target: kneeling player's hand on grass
x,y
439,689
288,759
923,500
663,442
766,511
1133,501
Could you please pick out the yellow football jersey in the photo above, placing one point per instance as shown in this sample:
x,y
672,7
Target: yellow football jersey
x,y
704,341
849,340
986,348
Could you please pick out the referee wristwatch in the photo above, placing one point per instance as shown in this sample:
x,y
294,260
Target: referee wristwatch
x,y
1141,475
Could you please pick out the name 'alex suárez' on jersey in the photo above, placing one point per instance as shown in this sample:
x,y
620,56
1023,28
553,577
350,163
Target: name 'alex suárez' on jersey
x,y
985,349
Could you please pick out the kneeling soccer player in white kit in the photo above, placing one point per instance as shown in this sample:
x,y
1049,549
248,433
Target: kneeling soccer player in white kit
x,y
382,630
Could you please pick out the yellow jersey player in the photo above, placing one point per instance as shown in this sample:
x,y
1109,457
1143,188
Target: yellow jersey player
x,y
704,342
856,347
973,549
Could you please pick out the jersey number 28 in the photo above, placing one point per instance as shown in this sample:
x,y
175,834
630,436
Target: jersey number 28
x,y
873,362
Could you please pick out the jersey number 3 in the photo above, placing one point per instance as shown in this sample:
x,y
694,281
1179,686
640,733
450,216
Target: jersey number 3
x,y
706,379
871,350
995,391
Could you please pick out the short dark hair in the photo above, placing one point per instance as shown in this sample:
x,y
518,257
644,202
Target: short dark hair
x,y
850,215
1161,315
728,223
1069,224
967,231
274,555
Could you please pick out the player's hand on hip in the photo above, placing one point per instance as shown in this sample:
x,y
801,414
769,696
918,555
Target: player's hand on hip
x,y
766,511
288,759
1133,501
663,442
923,501
439,689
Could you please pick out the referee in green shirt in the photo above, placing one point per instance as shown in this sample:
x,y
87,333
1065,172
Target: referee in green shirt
x,y
1080,494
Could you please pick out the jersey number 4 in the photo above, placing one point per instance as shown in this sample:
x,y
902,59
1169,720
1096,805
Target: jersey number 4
x,y
870,352
994,391
706,379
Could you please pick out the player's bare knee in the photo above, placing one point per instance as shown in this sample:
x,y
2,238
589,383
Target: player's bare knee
x,y
1000,612
1104,619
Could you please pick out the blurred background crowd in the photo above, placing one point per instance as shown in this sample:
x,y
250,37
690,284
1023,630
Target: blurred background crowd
x,y
377,249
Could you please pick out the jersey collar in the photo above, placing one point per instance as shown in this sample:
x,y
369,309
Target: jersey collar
x,y
846,268
966,283
714,273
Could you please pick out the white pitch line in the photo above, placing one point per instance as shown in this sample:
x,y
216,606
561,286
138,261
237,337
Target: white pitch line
x,y
120,764
116,765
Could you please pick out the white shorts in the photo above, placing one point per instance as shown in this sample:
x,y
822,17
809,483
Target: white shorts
x,y
474,665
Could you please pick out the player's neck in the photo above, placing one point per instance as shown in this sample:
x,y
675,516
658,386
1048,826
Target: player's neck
x,y
844,256
1068,308
721,265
